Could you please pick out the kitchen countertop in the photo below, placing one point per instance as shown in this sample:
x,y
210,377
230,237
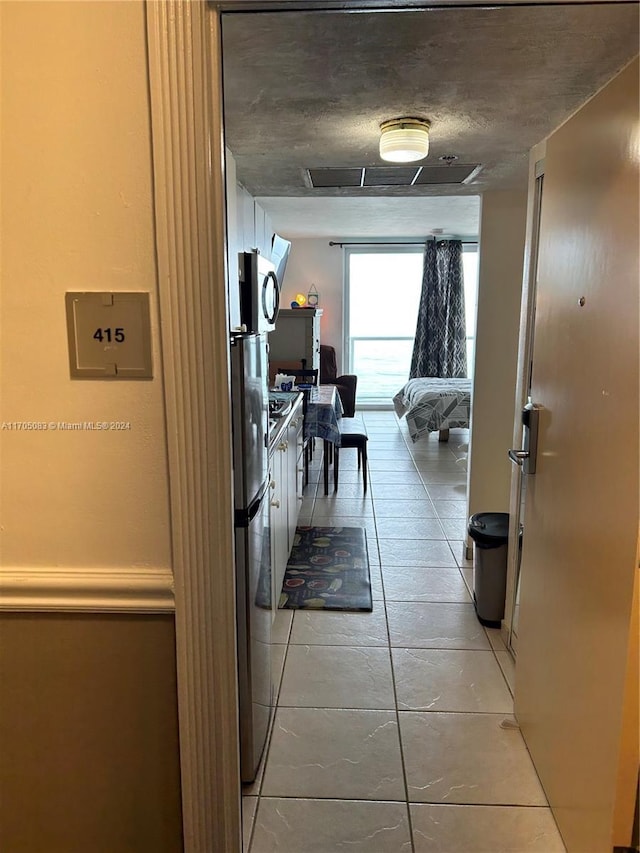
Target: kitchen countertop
x,y
280,421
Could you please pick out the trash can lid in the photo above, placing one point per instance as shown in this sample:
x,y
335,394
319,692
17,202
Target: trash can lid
x,y
489,528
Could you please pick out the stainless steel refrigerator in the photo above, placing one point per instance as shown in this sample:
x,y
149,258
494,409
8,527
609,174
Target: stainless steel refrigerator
x,y
250,412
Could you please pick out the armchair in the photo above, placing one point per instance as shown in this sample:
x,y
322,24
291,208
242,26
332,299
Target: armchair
x,y
346,384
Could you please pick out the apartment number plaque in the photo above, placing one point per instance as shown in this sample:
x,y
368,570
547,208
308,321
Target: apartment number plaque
x,y
109,335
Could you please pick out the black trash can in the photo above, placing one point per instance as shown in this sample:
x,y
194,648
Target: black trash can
x,y
490,534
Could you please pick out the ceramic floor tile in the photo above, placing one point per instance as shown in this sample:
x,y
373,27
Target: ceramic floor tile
x,y
324,826
450,680
451,475
455,528
382,479
440,475
467,575
435,626
340,629
508,668
436,463
467,758
341,506
431,450
377,453
408,583
451,509
459,548
281,626
484,829
449,492
375,576
495,638
381,440
367,522
249,805
278,654
411,552
409,528
334,753
420,508
339,677
395,463
350,485
398,491
306,506
349,458
348,461
373,551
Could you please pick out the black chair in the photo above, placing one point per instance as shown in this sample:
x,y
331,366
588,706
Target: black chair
x,y
346,384
352,434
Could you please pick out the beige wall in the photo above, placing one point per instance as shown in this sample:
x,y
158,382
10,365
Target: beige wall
x,y
76,215
88,735
501,246
314,261
88,718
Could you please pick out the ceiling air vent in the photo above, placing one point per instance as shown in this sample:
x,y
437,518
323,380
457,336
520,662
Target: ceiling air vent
x,y
389,176
393,176
335,177
455,173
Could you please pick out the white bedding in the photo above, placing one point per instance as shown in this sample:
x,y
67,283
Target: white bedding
x,y
432,404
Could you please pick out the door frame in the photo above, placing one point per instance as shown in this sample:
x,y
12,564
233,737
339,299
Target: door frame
x,y
525,352
185,86
185,81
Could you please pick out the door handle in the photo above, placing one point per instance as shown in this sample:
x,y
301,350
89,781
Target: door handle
x,y
518,456
526,457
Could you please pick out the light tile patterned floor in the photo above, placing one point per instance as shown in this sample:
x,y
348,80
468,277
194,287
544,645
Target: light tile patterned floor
x,y
387,733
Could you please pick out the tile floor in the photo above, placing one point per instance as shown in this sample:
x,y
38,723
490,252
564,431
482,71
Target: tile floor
x,y
387,735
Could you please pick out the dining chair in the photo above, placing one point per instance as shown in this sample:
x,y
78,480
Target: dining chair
x,y
346,384
352,434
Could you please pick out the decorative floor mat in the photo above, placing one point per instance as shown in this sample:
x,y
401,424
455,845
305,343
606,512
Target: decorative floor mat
x,y
328,569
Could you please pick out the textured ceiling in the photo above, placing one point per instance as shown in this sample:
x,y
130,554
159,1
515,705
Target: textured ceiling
x,y
310,89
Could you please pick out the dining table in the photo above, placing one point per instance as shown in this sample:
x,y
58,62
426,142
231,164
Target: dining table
x,y
323,410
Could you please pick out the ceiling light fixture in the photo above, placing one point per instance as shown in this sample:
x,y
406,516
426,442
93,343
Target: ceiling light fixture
x,y
404,140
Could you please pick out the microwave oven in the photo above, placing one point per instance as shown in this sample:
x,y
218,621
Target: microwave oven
x,y
259,292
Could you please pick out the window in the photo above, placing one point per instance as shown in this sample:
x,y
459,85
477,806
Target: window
x,y
382,294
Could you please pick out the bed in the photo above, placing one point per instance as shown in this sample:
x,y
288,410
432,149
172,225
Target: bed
x,y
431,404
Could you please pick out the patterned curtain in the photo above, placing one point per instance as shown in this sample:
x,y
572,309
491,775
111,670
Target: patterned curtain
x,y
440,347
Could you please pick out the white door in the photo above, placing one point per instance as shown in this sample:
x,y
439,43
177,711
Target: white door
x,y
581,517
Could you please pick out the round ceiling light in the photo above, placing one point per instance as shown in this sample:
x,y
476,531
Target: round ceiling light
x,y
404,140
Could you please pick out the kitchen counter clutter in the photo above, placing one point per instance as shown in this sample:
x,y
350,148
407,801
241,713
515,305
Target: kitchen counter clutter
x,y
281,407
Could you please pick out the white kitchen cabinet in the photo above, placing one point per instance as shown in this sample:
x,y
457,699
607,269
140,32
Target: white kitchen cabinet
x,y
263,232
295,473
246,219
279,517
285,488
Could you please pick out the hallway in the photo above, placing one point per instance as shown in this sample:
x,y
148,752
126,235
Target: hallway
x,y
387,733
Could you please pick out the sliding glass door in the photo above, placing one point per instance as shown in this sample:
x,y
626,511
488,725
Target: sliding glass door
x,y
382,293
